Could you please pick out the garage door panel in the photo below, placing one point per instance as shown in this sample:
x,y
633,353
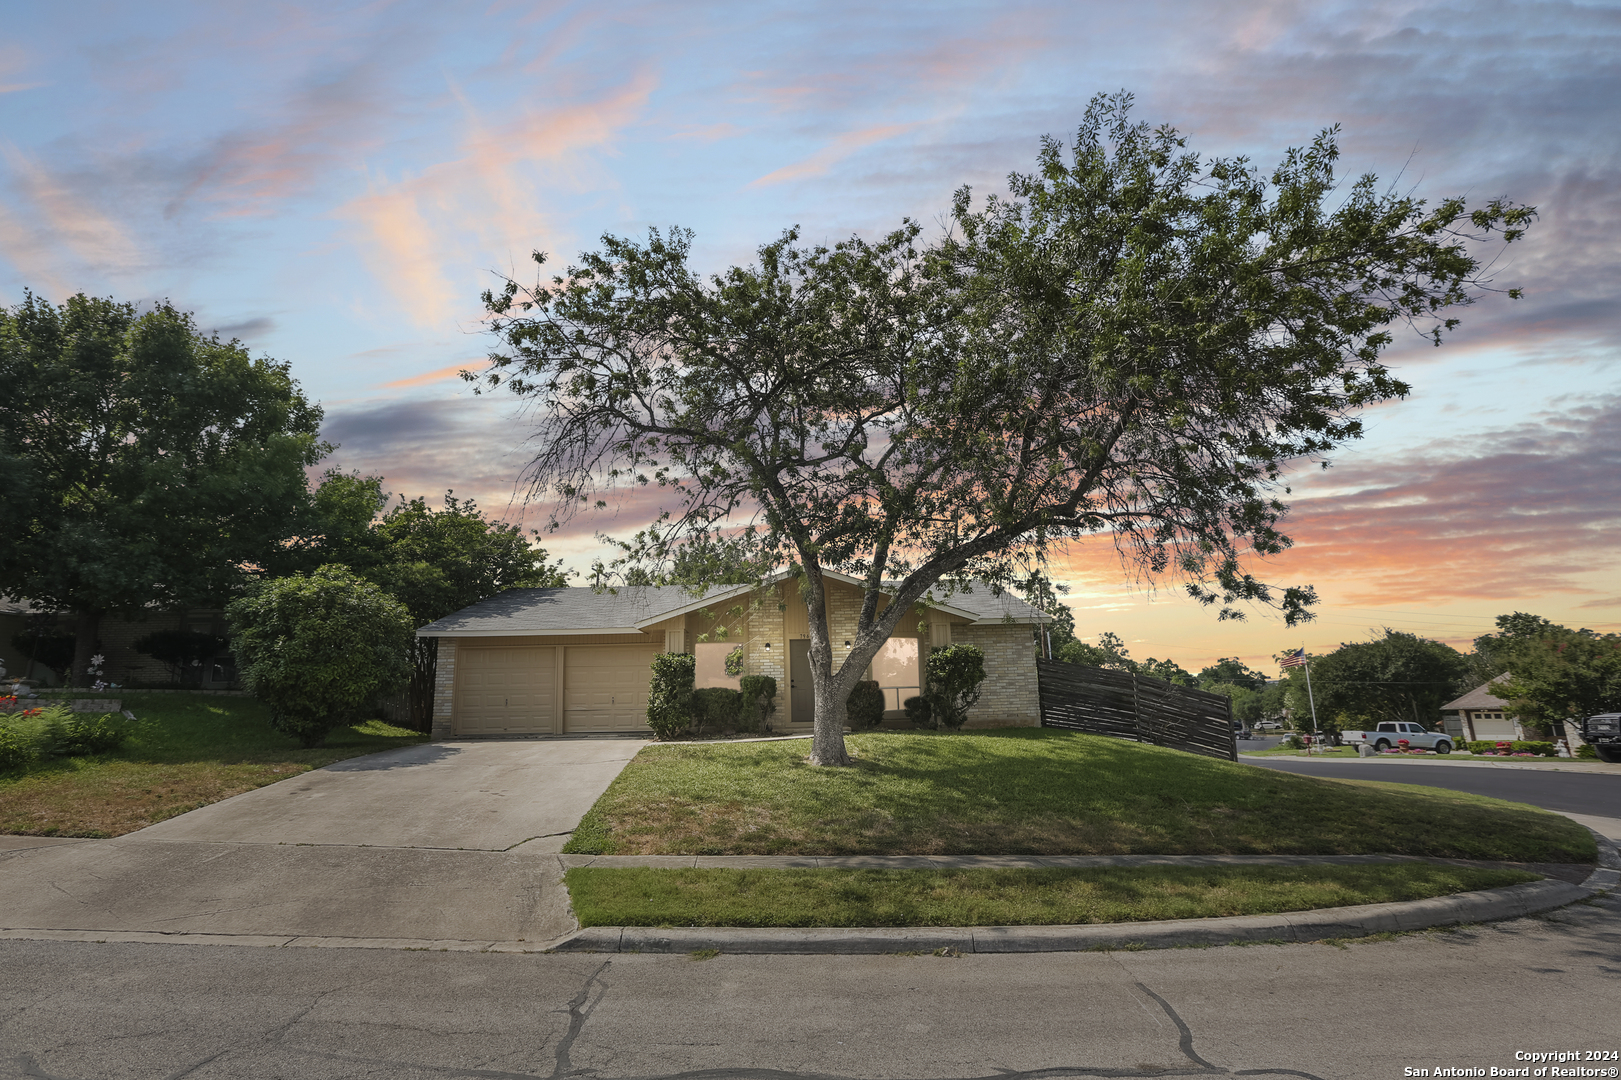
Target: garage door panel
x,y
505,691
605,687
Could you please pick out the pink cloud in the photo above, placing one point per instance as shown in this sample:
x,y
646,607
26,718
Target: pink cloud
x,y
839,149
437,375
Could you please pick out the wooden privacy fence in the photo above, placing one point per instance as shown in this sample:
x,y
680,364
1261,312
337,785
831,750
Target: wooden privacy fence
x,y
1136,707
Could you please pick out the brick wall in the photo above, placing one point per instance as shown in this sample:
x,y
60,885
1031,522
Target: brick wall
x,y
444,687
1008,697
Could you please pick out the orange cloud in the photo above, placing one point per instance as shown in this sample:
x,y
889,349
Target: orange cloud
x,y
830,155
436,375
487,202
56,217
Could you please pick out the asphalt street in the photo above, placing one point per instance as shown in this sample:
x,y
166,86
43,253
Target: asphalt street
x,y
1469,998
1567,792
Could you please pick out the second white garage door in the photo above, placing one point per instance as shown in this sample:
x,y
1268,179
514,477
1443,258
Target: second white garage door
x,y
605,687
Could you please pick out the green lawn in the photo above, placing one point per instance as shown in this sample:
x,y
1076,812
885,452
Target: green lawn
x,y
647,897
1038,792
187,750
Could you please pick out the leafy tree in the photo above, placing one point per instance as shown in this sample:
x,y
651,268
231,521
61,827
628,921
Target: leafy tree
x,y
1492,651
1246,702
433,561
1169,670
148,464
1397,676
315,648
1130,351
1109,652
1229,669
1560,675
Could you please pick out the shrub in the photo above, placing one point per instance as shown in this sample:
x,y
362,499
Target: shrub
x,y
1586,752
181,650
28,736
919,712
1518,746
83,735
1293,742
54,651
759,701
718,708
954,675
17,746
864,708
669,695
316,648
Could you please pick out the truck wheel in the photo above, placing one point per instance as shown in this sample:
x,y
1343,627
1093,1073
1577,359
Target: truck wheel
x,y
1611,753
1382,745
1443,748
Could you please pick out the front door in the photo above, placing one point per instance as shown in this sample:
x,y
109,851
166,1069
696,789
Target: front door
x,y
801,699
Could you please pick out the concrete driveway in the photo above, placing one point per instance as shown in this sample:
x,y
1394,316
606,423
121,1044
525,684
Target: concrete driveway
x,y
438,842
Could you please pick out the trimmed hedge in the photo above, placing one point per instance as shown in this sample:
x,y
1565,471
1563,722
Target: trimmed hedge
x,y
1517,746
864,708
674,708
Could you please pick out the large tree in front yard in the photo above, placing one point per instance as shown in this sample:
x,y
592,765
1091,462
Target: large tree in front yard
x,y
1129,350
143,463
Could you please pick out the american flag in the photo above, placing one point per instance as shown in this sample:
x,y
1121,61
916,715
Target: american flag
x,y
1294,659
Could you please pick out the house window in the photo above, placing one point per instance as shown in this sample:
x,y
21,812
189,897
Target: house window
x,y
710,669
897,669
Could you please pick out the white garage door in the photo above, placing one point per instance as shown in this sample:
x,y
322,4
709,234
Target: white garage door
x,y
505,691
605,687
1496,730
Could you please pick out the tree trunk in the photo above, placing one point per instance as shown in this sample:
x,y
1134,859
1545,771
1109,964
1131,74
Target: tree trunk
x,y
85,645
831,689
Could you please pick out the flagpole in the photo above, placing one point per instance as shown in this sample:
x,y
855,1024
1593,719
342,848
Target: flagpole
x,y
1311,698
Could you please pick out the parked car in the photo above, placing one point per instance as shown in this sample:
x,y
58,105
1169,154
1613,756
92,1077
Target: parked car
x,y
1387,735
1603,734
1268,725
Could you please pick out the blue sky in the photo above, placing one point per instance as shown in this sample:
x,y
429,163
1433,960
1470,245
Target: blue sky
x,y
336,184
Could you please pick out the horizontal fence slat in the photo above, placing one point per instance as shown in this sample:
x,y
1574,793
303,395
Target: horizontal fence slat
x,y
1136,707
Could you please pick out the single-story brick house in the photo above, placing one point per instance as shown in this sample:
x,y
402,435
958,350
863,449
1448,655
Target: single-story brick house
x,y
1481,715
572,660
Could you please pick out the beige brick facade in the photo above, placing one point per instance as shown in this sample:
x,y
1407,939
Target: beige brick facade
x,y
444,688
1008,697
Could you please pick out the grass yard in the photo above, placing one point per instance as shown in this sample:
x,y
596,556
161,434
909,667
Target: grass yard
x,y
688,897
1036,792
186,751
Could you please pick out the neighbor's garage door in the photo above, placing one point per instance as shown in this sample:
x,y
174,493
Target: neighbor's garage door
x,y
505,691
605,687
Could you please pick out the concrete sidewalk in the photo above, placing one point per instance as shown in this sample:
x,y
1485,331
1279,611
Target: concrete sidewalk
x,y
452,841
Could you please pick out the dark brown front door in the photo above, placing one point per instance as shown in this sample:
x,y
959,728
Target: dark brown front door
x,y
801,699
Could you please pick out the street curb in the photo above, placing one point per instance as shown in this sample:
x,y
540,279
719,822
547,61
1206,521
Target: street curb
x,y
1486,905
1514,901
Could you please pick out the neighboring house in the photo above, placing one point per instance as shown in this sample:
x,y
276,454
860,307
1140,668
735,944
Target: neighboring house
x,y
560,661
1481,715
122,664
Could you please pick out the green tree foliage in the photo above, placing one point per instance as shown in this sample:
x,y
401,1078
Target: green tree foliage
x,y
147,464
1492,651
432,561
1396,676
1247,703
1558,676
1109,652
1129,351
315,648
1229,669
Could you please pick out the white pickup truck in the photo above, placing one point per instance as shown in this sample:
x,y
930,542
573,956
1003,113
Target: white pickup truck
x,y
1387,735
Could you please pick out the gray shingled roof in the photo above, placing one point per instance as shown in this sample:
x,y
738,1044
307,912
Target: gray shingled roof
x,y
585,611
564,611
1478,698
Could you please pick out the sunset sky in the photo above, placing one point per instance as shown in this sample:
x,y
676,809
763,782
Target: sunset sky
x,y
336,183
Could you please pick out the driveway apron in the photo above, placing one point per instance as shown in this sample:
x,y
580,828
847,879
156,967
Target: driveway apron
x,y
442,841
